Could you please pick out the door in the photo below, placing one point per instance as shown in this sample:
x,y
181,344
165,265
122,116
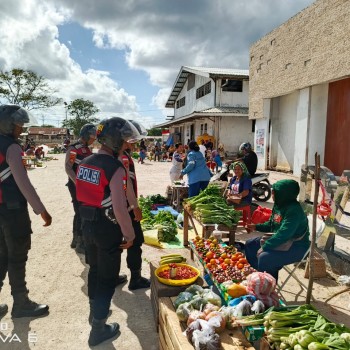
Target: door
x,y
337,155
192,132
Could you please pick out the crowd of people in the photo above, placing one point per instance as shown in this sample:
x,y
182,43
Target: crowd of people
x,y
103,188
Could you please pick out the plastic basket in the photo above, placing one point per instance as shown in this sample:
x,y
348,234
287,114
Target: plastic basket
x,y
172,282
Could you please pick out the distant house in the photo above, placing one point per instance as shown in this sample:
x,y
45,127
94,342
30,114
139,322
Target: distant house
x,y
211,101
47,135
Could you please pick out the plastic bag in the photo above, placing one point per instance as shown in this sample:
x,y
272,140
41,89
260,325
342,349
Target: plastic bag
x,y
236,301
183,311
212,297
183,297
260,283
261,215
344,280
258,307
243,308
194,289
229,314
206,338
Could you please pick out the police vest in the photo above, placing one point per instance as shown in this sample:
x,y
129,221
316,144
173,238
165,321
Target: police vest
x,y
130,165
92,181
10,193
77,152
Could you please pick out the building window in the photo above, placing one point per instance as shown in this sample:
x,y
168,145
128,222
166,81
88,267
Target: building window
x,y
203,90
232,85
204,128
190,81
181,102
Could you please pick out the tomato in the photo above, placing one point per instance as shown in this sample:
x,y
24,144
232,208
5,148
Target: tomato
x,y
221,260
227,261
209,266
209,255
224,255
213,261
240,266
242,261
224,266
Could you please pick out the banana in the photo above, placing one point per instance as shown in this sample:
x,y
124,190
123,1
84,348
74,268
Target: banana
x,y
171,256
172,260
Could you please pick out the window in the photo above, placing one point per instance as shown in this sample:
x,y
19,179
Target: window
x,y
232,85
203,90
204,128
181,102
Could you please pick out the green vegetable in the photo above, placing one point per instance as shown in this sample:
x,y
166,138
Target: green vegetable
x,y
299,347
317,346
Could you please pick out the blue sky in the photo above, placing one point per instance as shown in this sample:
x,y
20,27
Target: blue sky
x,y
124,56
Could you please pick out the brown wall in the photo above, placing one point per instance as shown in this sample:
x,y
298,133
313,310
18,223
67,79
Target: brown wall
x,y
337,155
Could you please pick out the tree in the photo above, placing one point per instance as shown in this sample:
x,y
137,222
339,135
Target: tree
x,y
26,89
82,112
154,132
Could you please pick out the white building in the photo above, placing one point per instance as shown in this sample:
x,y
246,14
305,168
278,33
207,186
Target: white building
x,y
211,101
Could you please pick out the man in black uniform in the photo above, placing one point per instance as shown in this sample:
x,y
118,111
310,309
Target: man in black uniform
x,y
107,228
75,154
249,158
15,225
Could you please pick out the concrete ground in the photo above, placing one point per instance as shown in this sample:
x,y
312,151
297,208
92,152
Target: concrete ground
x,y
57,275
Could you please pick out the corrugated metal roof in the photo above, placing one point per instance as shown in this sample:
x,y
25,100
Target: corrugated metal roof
x,y
203,71
210,112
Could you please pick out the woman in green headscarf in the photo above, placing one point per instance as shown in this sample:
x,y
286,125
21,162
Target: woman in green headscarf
x,y
288,225
240,187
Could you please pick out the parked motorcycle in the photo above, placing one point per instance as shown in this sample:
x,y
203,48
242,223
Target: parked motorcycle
x,y
261,184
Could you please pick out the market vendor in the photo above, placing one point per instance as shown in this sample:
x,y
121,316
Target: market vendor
x,y
240,187
288,240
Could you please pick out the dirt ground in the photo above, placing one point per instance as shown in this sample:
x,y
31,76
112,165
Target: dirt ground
x,y
56,275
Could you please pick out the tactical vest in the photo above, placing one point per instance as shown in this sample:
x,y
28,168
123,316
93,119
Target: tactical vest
x,y
77,152
10,193
92,181
130,165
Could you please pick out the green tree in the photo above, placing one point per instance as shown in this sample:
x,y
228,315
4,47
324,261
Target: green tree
x,y
26,89
82,112
154,132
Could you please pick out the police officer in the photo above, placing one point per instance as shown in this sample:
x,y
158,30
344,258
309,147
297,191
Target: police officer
x,y
134,253
107,227
249,158
15,225
75,154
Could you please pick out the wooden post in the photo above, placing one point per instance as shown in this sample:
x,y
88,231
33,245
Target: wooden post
x,y
313,233
185,228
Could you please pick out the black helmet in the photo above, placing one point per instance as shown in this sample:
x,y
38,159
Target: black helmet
x,y
11,115
114,131
246,146
86,131
140,128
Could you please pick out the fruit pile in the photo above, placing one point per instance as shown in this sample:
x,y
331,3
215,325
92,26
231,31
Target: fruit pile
x,y
225,263
181,272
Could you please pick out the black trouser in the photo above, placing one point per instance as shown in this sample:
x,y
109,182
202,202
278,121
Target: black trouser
x,y
102,241
15,240
134,253
77,231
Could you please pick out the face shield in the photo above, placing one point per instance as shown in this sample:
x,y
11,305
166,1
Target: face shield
x,y
129,132
13,115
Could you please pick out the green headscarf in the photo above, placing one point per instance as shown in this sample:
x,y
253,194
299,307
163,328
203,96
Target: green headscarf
x,y
285,192
242,166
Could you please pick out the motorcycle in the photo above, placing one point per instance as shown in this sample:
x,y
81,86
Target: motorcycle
x,y
261,185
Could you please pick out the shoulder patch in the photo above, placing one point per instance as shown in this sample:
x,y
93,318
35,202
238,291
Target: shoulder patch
x,y
72,157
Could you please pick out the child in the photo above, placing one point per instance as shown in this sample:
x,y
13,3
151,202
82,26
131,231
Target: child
x,y
217,159
142,154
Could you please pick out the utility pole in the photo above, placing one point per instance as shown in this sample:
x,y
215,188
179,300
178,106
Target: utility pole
x,y
42,120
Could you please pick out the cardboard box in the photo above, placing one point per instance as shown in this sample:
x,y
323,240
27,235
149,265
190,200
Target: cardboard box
x,y
253,333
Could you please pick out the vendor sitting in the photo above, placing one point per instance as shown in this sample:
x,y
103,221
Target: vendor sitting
x,y
288,240
240,187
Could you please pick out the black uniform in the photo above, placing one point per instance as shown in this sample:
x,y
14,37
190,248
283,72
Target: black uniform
x,y
102,236
15,225
251,162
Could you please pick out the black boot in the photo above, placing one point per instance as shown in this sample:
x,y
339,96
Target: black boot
x,y
100,331
122,279
91,314
137,281
24,307
3,309
80,246
73,244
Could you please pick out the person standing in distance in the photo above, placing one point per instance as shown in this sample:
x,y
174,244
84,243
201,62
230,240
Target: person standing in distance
x,y
107,227
16,191
134,253
75,154
249,158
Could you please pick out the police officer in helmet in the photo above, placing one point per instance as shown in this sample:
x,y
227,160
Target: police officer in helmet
x,y
16,191
75,154
134,253
249,158
107,228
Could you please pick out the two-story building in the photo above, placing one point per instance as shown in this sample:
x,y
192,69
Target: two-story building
x,y
211,101
300,89
47,135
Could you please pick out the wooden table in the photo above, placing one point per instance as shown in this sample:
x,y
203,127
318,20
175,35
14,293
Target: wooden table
x,y
176,196
207,229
